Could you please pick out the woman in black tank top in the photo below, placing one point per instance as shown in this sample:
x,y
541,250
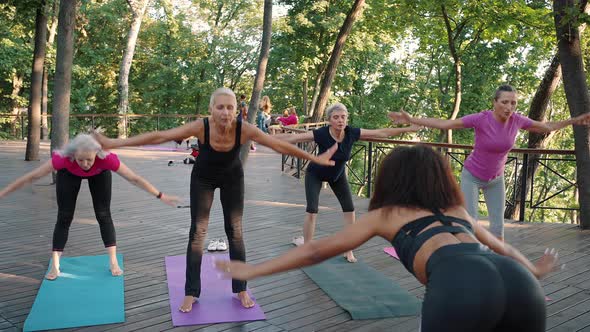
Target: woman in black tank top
x,y
218,166
417,205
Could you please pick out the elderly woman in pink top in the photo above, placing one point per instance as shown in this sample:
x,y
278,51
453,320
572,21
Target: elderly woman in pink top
x,y
83,158
495,134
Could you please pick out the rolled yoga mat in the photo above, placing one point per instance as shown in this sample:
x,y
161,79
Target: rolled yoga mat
x,y
84,294
217,303
362,291
391,252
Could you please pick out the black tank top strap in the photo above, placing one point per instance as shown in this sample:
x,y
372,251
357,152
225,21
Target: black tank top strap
x,y
410,238
425,236
462,222
238,132
206,124
415,227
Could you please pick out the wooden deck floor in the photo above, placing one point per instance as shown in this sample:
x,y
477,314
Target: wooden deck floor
x,y
148,230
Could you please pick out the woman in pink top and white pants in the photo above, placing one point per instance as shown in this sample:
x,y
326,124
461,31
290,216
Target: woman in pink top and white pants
x,y
83,158
495,134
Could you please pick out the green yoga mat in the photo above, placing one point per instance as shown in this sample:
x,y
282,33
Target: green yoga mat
x,y
363,291
84,294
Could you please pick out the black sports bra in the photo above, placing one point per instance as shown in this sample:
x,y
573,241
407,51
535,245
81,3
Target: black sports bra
x,y
409,240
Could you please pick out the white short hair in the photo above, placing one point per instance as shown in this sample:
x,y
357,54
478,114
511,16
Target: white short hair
x,y
335,107
219,92
82,142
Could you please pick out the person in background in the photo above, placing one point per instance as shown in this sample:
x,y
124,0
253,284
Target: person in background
x,y
336,132
495,135
218,166
84,159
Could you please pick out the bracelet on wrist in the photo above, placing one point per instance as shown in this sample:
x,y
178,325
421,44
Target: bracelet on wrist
x,y
159,196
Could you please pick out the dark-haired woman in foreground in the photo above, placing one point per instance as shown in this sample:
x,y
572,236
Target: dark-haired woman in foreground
x,y
474,282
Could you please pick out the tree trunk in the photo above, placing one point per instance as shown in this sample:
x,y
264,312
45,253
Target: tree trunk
x,y
17,84
138,8
537,112
34,114
458,73
351,17
50,38
60,125
578,99
305,107
212,46
457,101
260,72
316,91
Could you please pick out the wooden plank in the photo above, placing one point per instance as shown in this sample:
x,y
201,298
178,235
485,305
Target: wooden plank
x,y
273,213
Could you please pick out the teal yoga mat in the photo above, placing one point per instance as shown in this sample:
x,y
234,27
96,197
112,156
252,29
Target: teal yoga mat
x,y
84,294
363,291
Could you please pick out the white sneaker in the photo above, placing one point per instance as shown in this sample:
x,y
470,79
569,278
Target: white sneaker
x,y
213,245
221,245
298,241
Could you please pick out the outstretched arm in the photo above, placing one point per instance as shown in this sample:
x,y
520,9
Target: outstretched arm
x,y
283,147
545,127
308,254
142,183
387,132
36,174
405,118
295,138
546,264
154,137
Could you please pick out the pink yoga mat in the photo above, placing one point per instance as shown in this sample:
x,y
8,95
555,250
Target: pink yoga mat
x,y
217,303
391,252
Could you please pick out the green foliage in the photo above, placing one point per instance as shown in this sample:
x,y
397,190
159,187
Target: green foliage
x,y
397,56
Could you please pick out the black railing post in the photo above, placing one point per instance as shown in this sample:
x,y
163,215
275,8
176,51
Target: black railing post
x,y
523,185
22,127
299,164
126,125
158,123
282,162
370,165
92,119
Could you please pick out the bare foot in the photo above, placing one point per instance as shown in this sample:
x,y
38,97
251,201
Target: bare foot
x,y
350,257
53,273
116,270
245,299
187,303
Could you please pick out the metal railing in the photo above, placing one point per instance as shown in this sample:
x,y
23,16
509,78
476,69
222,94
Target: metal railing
x,y
367,154
18,122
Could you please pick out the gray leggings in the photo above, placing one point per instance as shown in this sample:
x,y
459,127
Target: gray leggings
x,y
494,193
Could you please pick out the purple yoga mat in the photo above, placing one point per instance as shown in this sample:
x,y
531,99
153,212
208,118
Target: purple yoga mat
x,y
217,303
391,252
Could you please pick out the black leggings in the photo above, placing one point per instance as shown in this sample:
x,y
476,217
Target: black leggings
x,y
340,187
231,186
67,188
471,288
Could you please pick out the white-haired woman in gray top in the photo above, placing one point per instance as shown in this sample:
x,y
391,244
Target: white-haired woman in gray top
x,y
336,132
83,158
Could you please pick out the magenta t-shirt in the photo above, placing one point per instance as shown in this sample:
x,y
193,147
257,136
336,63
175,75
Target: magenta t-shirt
x,y
110,162
290,120
493,140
